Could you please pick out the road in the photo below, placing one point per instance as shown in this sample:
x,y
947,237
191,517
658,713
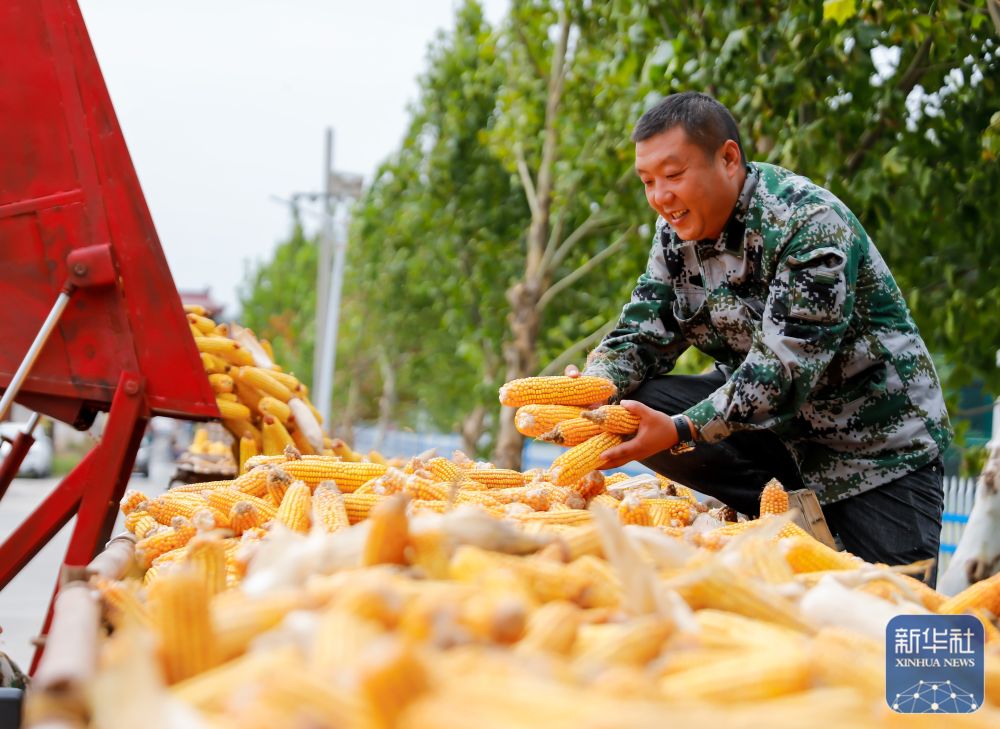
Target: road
x,y
24,601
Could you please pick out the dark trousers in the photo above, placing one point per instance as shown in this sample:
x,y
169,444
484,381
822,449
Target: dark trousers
x,y
896,523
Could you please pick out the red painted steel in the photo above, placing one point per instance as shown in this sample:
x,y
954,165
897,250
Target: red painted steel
x,y
10,465
73,217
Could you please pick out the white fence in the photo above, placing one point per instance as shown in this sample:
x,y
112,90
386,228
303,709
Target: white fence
x,y
959,493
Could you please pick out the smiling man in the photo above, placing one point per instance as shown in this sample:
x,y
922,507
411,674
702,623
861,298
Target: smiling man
x,y
821,377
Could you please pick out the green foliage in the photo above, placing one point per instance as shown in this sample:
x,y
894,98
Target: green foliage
x,y
443,235
278,301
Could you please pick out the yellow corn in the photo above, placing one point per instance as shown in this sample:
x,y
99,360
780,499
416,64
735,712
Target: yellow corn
x,y
207,558
805,554
496,477
274,436
141,523
166,506
201,322
606,500
389,531
634,643
225,499
213,365
277,483
750,676
348,475
670,511
533,420
613,419
571,432
221,383
273,406
773,498
359,506
161,542
179,615
243,516
557,390
224,348
580,541
590,485
131,500
296,508
302,443
232,410
567,517
329,509
265,382
443,469
288,380
984,594
122,600
248,449
579,460
632,510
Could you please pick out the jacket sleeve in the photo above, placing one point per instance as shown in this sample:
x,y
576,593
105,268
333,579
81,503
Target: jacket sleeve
x,y
808,309
646,339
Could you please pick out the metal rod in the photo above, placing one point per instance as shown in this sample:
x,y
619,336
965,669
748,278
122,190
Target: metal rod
x,y
29,359
325,242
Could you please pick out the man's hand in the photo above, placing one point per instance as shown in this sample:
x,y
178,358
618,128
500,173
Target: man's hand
x,y
656,433
571,370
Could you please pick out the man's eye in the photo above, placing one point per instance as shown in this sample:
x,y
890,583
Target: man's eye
x,y
674,175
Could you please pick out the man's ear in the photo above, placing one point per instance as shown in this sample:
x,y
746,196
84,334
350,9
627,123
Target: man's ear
x,y
731,155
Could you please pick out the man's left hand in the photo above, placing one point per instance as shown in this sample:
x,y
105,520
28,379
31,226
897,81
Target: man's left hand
x,y
656,433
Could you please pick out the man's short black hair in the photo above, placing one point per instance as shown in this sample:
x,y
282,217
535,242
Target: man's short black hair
x,y
706,122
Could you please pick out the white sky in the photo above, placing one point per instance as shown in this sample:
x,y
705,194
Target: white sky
x,y
223,104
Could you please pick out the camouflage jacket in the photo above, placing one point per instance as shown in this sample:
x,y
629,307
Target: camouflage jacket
x,y
796,300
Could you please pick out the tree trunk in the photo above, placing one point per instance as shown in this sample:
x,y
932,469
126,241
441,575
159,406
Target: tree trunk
x,y
521,358
473,426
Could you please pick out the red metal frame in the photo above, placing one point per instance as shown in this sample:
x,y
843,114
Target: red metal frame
x,y
73,219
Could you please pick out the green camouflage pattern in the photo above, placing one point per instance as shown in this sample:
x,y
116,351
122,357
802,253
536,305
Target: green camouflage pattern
x,y
796,301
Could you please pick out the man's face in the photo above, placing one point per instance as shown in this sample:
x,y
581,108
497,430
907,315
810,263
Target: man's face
x,y
694,192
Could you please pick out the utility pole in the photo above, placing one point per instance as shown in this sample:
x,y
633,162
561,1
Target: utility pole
x,y
340,189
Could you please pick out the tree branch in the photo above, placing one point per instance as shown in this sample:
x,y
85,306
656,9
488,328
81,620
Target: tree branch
x,y
906,83
555,254
526,182
519,29
583,270
994,7
556,365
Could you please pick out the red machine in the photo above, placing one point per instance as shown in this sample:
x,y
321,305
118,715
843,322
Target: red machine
x,y
90,320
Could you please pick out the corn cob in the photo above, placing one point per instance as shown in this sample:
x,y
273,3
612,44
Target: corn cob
x,y
579,460
166,506
225,349
221,383
348,475
289,380
248,449
207,559
613,419
122,601
179,614
200,322
329,510
483,498
606,500
199,486
131,500
671,511
496,477
225,499
717,586
580,541
805,554
161,542
557,390
569,517
783,669
571,432
443,469
634,643
273,406
590,485
265,382
274,436
212,364
774,498
243,516
301,441
359,506
277,483
533,420
422,488
296,508
984,594
143,525
387,538
633,510
228,397
616,478
604,589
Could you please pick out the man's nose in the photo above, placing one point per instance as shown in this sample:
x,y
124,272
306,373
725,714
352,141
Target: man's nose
x,y
661,193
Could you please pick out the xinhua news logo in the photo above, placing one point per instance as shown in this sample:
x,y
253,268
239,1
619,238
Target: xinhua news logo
x,y
934,664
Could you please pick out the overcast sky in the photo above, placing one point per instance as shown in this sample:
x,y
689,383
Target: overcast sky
x,y
223,104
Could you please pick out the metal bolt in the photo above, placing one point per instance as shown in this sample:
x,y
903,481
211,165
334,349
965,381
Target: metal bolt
x,y
80,269
131,387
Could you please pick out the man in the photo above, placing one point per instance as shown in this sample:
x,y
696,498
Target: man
x,y
821,378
